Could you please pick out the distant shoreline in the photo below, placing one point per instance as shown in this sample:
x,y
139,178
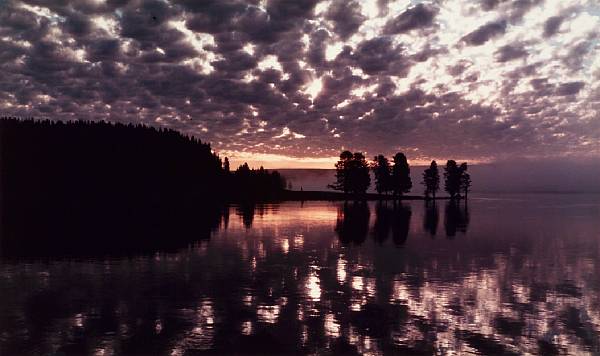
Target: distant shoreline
x,y
298,195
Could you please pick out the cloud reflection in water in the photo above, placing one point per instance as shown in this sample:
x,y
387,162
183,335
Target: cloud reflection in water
x,y
305,279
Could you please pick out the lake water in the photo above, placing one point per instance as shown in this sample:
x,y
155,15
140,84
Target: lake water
x,y
505,274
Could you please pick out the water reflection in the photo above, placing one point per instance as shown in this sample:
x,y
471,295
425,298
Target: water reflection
x,y
400,223
246,212
306,279
383,221
142,229
353,222
432,217
390,219
456,218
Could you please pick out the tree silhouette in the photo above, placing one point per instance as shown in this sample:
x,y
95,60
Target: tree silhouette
x,y
352,173
92,162
255,184
465,183
359,178
400,180
452,175
244,169
226,167
456,179
431,180
382,171
342,168
123,187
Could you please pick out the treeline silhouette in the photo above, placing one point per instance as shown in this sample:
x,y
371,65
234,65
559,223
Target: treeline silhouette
x,y
352,176
133,160
248,184
64,179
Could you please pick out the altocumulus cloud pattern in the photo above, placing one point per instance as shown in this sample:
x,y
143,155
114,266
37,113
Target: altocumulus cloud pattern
x,y
478,80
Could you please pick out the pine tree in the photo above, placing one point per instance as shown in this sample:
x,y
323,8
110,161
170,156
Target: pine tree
x,y
341,172
358,174
453,177
400,180
382,171
226,167
465,180
352,173
431,180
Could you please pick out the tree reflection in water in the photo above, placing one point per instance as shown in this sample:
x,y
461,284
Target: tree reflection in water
x,y
391,218
383,221
286,283
432,217
246,211
353,222
456,218
401,223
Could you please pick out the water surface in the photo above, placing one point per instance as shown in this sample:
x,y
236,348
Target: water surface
x,y
504,274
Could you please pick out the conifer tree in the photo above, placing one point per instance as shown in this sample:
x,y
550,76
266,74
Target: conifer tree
x,y
431,180
341,172
382,171
352,173
452,174
400,180
465,180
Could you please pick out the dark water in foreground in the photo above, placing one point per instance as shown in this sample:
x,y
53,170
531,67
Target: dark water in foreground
x,y
508,274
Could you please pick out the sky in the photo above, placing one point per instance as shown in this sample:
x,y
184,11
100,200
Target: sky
x,y
292,83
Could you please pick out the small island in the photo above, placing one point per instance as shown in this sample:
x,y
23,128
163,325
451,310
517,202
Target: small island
x,y
394,181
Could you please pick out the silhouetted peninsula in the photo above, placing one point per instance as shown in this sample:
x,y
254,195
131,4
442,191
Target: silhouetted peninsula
x,y
123,161
87,184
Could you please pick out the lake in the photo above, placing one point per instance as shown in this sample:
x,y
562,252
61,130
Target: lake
x,y
506,274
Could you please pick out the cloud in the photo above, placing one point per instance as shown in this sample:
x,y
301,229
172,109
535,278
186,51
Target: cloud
x,y
418,17
488,5
346,17
510,52
380,55
552,25
103,50
577,53
485,33
78,25
334,73
570,88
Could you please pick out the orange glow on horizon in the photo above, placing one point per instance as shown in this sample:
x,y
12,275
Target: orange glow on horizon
x,y
274,161
279,161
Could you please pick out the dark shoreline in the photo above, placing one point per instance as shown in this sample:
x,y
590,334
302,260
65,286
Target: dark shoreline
x,y
297,195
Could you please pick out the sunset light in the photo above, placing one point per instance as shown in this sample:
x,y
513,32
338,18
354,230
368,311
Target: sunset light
x,y
300,177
